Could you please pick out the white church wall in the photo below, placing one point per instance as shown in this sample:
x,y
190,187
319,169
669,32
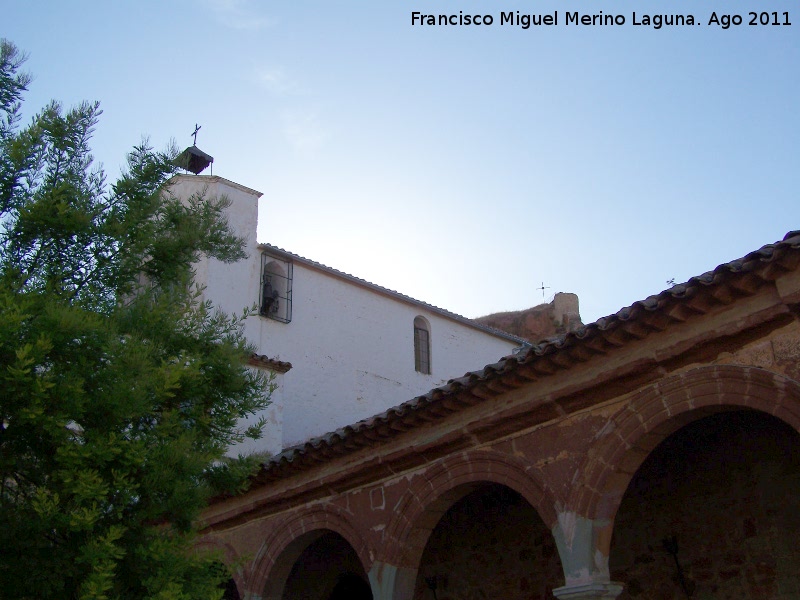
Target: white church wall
x,y
271,440
351,344
232,287
352,351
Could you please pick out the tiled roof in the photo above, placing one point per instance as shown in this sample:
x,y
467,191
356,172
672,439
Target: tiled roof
x,y
260,360
280,252
722,286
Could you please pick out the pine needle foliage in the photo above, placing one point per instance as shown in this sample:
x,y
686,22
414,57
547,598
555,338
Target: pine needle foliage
x,y
120,389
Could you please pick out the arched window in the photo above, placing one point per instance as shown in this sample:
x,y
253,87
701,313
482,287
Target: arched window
x,y
422,346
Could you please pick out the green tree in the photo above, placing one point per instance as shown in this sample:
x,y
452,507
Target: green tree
x,y
120,390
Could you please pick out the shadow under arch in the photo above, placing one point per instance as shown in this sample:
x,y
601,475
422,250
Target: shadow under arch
x,y
656,412
432,494
713,512
284,545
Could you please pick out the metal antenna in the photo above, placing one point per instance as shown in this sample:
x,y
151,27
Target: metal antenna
x,y
194,133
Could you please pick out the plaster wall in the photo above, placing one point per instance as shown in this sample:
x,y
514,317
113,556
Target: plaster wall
x,y
270,442
231,287
351,347
352,353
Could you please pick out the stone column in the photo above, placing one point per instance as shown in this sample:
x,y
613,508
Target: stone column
x,y
583,546
392,583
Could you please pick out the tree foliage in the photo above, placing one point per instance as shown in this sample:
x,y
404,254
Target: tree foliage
x,y
120,389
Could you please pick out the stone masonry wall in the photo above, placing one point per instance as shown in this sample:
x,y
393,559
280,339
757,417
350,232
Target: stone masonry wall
x,y
320,567
490,545
726,488
539,322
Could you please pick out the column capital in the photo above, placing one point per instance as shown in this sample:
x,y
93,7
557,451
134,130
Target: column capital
x,y
589,591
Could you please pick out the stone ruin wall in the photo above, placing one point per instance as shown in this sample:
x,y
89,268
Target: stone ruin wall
x,y
538,322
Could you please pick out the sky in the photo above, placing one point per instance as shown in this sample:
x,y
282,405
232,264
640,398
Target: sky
x,y
467,166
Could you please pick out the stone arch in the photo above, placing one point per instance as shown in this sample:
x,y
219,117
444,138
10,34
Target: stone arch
x,y
432,493
287,540
659,410
720,495
228,555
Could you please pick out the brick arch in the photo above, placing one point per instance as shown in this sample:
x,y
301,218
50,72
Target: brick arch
x,y
431,494
228,554
659,410
288,538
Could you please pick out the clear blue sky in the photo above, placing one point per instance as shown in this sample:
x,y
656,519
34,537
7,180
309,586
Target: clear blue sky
x,y
463,166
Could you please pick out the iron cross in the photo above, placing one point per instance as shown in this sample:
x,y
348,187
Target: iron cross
x,y
194,133
543,288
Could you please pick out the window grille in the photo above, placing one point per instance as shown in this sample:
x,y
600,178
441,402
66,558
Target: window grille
x,y
275,295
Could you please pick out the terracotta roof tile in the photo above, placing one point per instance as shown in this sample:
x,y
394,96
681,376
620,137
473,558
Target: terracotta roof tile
x,y
654,313
260,360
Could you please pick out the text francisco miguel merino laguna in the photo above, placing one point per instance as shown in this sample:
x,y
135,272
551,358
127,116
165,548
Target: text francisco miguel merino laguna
x,y
576,18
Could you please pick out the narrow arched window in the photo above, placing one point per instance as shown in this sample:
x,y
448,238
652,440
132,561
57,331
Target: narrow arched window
x,y
422,346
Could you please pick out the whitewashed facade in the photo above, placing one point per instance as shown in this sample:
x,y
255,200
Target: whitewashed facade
x,y
351,344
